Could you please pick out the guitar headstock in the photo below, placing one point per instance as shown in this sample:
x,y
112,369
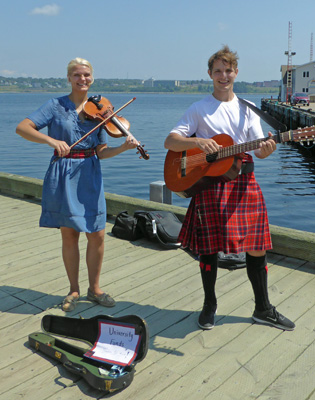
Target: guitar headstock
x,y
304,135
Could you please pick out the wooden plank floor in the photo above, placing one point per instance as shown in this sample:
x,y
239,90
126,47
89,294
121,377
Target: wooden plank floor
x,y
236,360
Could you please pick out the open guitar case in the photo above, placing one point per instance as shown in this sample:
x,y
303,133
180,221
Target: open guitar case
x,y
106,375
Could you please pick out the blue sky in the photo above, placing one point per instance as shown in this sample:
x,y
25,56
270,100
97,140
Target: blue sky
x,y
165,39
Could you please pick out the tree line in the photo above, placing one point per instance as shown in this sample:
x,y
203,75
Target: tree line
x,y
22,84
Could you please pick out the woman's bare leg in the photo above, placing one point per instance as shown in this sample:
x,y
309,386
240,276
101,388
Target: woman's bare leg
x,y
94,260
71,258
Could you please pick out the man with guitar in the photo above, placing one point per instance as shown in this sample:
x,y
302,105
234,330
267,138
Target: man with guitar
x,y
226,215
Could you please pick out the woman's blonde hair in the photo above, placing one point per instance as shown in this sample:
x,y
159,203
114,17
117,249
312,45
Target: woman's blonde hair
x,y
79,61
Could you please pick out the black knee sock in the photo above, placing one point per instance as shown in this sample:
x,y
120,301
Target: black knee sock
x,y
257,272
208,269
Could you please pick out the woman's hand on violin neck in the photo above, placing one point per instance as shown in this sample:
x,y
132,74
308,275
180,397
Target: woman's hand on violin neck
x,y
107,152
130,143
61,147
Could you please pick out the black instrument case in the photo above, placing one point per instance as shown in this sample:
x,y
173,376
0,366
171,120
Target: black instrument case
x,y
102,375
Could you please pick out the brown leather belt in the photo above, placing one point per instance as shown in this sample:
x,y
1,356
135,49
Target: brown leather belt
x,y
82,153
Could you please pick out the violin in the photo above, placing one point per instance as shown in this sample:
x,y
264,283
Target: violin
x,y
100,109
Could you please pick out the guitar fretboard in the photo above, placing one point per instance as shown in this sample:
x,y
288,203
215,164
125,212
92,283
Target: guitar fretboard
x,y
253,145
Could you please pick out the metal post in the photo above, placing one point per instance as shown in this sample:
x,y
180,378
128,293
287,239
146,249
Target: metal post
x,y
160,193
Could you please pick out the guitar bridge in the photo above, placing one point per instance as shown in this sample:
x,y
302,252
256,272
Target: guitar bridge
x,y
183,163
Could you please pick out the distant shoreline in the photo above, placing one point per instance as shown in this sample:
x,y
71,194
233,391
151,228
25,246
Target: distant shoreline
x,y
61,85
272,93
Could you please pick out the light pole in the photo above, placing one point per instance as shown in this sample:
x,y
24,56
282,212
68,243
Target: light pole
x,y
289,53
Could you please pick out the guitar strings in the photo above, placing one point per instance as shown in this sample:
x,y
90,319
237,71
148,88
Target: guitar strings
x,y
225,152
229,151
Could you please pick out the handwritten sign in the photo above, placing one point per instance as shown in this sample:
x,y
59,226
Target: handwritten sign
x,y
117,343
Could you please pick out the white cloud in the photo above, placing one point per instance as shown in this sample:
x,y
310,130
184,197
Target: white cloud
x,y
7,73
49,9
222,26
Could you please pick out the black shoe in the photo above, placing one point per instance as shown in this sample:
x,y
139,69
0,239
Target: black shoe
x,y
206,317
274,318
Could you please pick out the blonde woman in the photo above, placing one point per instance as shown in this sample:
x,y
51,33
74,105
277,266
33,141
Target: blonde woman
x,y
73,195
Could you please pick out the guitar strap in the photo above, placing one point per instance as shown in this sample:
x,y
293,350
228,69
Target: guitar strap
x,y
273,122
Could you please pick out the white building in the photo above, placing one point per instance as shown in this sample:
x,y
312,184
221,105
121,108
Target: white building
x,y
303,79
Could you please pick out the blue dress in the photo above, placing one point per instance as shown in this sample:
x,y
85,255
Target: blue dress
x,y
73,193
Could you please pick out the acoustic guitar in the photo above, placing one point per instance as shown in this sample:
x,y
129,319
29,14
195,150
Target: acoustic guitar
x,y
188,172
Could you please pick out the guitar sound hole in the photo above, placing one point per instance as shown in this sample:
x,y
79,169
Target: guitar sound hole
x,y
211,157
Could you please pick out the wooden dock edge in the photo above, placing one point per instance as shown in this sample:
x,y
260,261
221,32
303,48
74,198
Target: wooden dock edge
x,y
288,242
292,116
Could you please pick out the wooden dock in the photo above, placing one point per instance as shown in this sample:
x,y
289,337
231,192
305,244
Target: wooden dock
x,y
293,117
238,359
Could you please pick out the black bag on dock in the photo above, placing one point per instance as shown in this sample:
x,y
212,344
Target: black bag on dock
x,y
232,261
161,226
125,227
112,347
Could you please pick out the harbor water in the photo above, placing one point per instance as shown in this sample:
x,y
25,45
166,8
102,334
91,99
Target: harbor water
x,y
287,177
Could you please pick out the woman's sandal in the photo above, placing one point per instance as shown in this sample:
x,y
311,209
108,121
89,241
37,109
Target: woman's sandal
x,y
104,299
69,303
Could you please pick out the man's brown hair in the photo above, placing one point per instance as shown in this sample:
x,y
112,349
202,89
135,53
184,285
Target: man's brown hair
x,y
226,55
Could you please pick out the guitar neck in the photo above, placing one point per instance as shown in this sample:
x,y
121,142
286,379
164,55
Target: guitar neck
x,y
253,145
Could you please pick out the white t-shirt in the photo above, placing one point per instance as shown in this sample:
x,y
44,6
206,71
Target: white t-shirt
x,y
209,117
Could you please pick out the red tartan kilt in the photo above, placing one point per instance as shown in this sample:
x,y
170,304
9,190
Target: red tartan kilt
x,y
228,216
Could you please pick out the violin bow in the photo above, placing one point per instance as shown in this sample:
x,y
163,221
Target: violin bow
x,y
102,123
